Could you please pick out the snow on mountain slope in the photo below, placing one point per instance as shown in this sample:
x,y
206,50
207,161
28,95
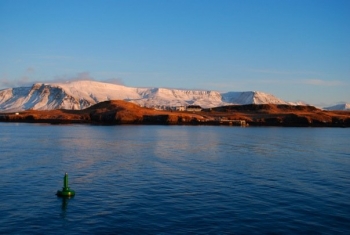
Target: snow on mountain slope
x,y
298,103
343,107
96,91
82,94
251,97
162,97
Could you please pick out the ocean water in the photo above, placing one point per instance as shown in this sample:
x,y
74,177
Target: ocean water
x,y
174,180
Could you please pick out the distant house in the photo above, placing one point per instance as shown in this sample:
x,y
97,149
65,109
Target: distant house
x,y
180,108
194,108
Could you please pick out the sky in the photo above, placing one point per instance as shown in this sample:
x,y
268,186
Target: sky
x,y
297,50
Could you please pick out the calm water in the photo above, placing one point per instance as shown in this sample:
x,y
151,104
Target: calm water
x,y
174,180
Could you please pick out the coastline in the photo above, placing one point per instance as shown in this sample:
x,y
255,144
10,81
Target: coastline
x,y
119,112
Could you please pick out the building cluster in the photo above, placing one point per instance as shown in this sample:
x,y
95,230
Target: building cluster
x,y
189,108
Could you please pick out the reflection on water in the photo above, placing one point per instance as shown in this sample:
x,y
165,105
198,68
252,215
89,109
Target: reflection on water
x,y
64,205
174,179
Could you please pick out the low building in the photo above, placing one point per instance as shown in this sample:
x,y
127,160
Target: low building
x,y
194,108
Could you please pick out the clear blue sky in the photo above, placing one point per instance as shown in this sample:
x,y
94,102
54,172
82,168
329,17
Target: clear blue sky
x,y
294,49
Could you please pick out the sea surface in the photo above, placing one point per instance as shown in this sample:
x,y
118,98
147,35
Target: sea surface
x,y
174,179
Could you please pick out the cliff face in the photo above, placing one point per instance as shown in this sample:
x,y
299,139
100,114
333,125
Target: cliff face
x,y
122,112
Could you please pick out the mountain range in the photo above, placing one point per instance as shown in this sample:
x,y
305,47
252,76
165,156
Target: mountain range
x,y
343,106
77,95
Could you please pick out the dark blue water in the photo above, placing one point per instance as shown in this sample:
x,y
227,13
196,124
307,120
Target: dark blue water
x,y
174,180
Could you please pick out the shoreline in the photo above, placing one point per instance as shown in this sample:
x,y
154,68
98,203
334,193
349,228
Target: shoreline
x,y
119,112
192,123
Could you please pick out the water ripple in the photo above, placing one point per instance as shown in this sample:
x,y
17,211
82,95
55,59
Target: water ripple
x,y
174,180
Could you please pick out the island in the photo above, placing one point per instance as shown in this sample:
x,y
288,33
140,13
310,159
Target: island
x,y
118,112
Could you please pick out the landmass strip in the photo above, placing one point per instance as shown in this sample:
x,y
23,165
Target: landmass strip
x,y
116,112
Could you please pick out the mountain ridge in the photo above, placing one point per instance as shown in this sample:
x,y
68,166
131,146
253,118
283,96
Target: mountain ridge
x,y
77,95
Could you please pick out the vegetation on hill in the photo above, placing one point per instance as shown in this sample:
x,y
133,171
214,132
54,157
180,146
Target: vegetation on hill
x,y
121,112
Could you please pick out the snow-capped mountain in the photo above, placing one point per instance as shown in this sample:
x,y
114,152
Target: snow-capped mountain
x,y
250,97
82,94
343,106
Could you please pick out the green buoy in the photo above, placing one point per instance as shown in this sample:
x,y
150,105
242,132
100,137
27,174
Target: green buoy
x,y
65,192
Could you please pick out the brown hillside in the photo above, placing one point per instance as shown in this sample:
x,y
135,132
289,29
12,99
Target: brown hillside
x,y
122,112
